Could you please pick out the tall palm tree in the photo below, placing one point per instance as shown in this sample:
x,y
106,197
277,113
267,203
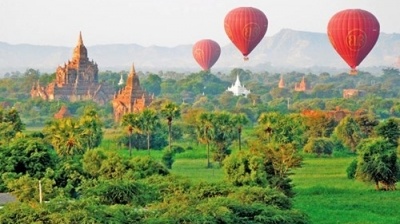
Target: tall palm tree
x,y
149,121
133,123
170,111
224,134
91,128
239,120
205,131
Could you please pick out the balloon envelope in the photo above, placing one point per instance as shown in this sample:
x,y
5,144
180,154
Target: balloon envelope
x,y
245,27
353,33
206,52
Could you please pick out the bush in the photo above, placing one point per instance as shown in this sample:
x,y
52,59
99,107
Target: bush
x,y
168,158
319,146
146,166
351,170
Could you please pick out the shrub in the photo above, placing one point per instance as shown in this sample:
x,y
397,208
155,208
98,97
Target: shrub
x,y
168,158
319,146
351,170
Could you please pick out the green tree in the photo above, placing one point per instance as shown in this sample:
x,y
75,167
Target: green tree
x,y
170,111
319,146
367,122
133,124
282,129
240,120
205,131
224,132
390,130
152,84
349,133
245,168
149,122
10,124
92,161
66,136
318,124
377,162
113,167
26,188
91,128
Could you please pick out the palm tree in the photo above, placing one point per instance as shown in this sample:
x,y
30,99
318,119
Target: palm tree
x,y
65,136
205,131
224,134
91,126
239,120
170,111
133,123
149,121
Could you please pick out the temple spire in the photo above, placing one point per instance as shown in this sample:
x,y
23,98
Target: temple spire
x,y
237,83
80,40
80,51
281,83
121,81
133,69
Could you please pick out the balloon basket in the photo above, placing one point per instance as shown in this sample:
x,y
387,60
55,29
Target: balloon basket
x,y
245,58
353,72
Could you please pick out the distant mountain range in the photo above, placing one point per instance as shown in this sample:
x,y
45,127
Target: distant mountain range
x,y
285,51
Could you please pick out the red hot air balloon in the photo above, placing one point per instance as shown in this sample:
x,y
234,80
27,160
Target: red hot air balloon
x,y
206,52
246,27
353,33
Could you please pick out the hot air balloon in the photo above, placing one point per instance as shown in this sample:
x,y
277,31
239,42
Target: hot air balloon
x,y
206,52
245,27
353,33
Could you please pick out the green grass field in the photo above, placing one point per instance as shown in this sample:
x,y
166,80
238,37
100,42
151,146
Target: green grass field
x,y
325,193
322,188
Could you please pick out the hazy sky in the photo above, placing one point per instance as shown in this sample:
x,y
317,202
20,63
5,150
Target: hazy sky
x,y
166,22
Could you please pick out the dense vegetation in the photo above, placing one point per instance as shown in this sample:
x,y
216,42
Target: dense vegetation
x,y
92,170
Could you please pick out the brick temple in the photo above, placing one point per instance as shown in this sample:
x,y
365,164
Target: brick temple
x,y
76,80
131,98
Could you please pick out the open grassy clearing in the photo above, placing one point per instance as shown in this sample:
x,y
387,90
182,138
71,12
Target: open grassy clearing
x,y
327,196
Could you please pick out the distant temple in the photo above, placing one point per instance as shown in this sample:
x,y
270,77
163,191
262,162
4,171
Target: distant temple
x,y
302,86
337,114
121,81
281,84
76,80
131,98
237,89
350,93
62,113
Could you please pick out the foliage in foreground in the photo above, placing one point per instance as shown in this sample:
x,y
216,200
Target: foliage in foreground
x,y
158,199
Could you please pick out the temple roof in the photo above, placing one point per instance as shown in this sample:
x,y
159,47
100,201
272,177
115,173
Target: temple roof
x,y
80,51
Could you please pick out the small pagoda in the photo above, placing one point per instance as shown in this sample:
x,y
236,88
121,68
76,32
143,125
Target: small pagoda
x,y
302,86
131,98
238,89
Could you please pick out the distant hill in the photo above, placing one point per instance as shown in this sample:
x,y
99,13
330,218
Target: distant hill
x,y
284,51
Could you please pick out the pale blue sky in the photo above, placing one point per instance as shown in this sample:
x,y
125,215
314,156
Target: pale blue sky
x,y
166,22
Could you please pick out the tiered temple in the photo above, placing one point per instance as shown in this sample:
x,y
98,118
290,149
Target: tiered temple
x,y
76,80
302,86
237,89
132,98
281,83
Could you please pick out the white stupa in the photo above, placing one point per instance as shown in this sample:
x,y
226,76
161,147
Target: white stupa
x,y
237,89
121,81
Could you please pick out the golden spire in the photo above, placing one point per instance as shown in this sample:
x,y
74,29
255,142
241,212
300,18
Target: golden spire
x,y
80,40
133,69
281,83
80,51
